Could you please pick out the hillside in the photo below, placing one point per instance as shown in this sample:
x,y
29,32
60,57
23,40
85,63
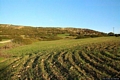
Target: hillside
x,y
17,32
42,53
49,29
75,59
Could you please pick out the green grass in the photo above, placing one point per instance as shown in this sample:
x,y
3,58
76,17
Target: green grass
x,y
2,44
57,44
90,58
66,36
2,58
63,35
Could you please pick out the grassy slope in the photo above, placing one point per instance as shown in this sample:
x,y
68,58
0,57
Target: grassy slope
x,y
42,60
58,44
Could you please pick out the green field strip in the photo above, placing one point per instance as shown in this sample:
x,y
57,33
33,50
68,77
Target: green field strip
x,y
16,71
77,57
27,68
57,72
101,67
65,59
39,72
102,61
64,62
92,70
34,68
49,67
76,66
44,73
92,63
35,62
2,60
112,56
19,69
64,65
4,63
87,68
96,58
84,67
117,53
95,73
48,64
29,60
57,66
109,61
78,61
106,58
10,62
111,64
8,70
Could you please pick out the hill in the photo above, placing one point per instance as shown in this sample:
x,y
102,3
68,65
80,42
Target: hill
x,y
45,33
66,59
57,54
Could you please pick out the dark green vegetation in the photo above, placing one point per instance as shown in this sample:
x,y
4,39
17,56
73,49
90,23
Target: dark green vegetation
x,y
28,34
112,34
66,59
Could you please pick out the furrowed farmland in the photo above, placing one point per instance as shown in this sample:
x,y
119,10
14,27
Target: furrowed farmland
x,y
65,59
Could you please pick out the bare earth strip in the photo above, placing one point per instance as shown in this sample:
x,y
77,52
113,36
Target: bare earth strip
x,y
6,41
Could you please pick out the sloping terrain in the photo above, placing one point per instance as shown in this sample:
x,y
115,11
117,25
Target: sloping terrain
x,y
85,59
44,33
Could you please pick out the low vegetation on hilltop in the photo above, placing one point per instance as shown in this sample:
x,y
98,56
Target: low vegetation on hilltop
x,y
44,34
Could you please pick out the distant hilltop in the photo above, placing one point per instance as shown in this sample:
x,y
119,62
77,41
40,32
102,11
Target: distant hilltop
x,y
10,25
81,30
45,33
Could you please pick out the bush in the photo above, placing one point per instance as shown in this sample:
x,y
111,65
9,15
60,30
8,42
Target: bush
x,y
0,38
81,37
20,40
92,36
5,37
117,35
27,41
87,36
110,34
50,38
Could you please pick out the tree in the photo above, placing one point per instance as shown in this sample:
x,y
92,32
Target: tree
x,y
117,35
111,34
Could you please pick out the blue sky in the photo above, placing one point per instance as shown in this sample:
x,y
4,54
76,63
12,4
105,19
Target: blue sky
x,y
100,15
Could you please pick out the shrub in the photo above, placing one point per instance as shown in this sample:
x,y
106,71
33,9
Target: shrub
x,y
111,34
53,38
27,41
81,37
94,36
5,37
0,38
117,35
87,36
20,40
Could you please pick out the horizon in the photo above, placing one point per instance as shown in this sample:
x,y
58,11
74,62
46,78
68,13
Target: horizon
x,y
53,27
58,27
100,15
